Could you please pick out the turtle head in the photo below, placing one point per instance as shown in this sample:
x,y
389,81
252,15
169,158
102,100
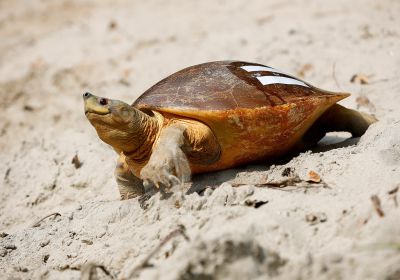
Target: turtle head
x,y
116,122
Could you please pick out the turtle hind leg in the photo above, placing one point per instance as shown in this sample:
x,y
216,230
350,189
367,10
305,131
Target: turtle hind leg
x,y
338,118
129,185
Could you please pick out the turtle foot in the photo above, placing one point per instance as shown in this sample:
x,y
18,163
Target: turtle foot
x,y
129,185
167,167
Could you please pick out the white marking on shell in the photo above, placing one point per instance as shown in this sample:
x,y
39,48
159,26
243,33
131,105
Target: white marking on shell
x,y
256,68
269,80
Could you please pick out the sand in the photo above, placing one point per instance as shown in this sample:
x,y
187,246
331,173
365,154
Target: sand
x,y
237,227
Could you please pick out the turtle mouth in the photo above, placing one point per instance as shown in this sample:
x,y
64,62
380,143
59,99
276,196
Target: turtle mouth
x,y
88,112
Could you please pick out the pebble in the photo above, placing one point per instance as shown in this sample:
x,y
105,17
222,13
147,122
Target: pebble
x,y
10,246
3,252
44,243
21,269
101,234
88,242
72,255
45,258
315,218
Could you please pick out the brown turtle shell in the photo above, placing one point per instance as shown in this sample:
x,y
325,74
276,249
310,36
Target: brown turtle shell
x,y
255,111
224,85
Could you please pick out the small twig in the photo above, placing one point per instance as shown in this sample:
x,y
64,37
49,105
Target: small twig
x,y
281,184
7,174
393,194
41,220
145,263
393,191
287,184
88,271
376,202
290,181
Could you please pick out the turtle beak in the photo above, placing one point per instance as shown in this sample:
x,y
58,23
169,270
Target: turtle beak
x,y
95,104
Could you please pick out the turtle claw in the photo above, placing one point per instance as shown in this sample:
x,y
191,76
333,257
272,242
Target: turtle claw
x,y
150,189
144,198
147,185
167,167
175,180
160,181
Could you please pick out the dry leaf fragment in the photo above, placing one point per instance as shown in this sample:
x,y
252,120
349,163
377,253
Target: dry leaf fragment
x,y
376,202
316,218
177,204
254,203
86,241
360,78
366,32
304,69
28,108
313,177
10,247
45,258
76,162
263,20
112,25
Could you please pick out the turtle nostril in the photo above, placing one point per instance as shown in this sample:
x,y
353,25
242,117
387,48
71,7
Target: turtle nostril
x,y
103,101
86,94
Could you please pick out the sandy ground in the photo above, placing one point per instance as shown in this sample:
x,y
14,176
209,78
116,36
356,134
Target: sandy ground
x,y
53,51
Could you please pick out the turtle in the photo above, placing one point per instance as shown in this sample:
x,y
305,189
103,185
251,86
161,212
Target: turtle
x,y
215,116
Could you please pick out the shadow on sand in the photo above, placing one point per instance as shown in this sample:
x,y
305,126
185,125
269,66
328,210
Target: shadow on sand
x,y
213,179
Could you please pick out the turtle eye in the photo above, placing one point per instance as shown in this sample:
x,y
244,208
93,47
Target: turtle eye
x,y
103,101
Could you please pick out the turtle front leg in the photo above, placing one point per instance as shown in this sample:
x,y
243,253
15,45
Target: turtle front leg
x,y
129,185
179,143
168,164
